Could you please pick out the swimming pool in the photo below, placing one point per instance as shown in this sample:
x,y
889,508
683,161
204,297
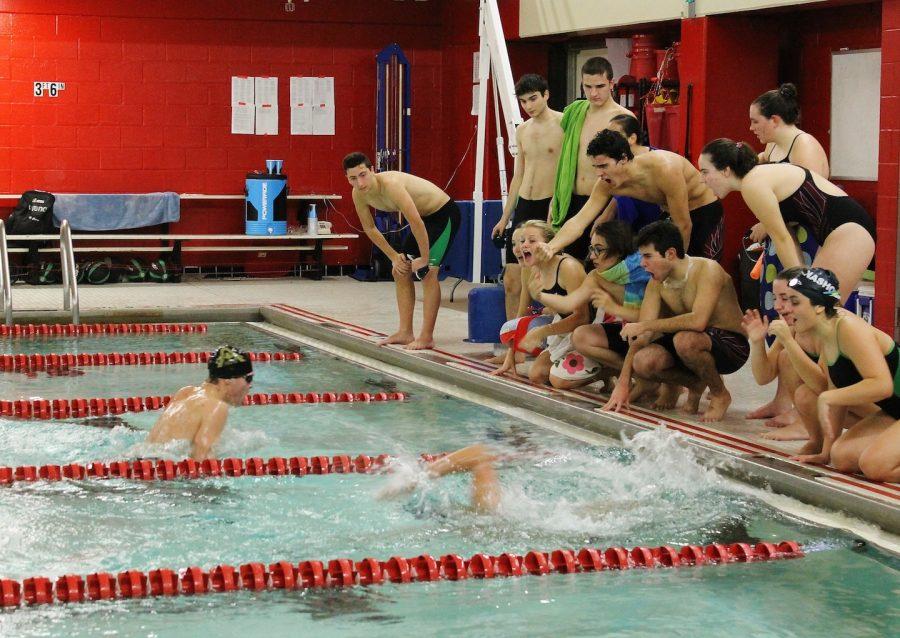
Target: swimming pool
x,y
558,492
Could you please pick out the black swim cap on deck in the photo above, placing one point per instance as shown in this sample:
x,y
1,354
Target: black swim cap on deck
x,y
819,285
227,362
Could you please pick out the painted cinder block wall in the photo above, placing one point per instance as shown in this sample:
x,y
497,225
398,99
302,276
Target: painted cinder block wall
x,y
146,104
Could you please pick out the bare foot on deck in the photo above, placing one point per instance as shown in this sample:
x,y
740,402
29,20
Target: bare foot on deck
x,y
643,390
793,432
420,344
500,358
810,458
769,410
692,404
668,397
401,338
811,452
782,420
718,406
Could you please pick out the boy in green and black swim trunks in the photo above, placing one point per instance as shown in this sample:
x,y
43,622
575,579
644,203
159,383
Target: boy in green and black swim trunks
x,y
433,220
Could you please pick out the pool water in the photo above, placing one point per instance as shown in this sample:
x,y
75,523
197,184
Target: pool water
x,y
557,493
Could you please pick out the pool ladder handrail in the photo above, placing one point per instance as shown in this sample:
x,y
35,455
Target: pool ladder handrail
x,y
69,278
5,282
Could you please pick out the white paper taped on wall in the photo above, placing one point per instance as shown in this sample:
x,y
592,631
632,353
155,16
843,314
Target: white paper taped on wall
x,y
312,106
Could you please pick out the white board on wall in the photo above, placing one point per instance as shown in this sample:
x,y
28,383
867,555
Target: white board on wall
x,y
855,107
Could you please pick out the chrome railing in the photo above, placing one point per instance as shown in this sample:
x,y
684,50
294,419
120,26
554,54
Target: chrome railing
x,y
67,265
5,282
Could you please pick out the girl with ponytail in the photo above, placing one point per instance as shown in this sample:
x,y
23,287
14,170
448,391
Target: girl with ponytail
x,y
783,194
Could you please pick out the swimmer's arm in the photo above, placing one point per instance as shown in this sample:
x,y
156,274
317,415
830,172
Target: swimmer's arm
x,y
209,432
670,180
364,212
618,398
610,212
651,306
705,302
763,363
398,194
575,227
571,302
524,295
516,182
563,326
810,372
761,199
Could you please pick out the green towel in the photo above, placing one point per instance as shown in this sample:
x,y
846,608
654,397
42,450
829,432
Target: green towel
x,y
572,123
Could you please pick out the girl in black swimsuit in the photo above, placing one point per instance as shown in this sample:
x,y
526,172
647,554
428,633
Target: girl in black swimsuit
x,y
774,118
859,366
779,194
558,275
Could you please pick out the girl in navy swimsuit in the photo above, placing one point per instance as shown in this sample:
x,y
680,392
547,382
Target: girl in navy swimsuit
x,y
780,194
859,367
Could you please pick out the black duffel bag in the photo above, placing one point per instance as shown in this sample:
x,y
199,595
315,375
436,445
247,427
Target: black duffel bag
x,y
33,215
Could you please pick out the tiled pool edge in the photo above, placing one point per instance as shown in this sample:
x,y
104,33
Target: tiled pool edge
x,y
760,470
142,315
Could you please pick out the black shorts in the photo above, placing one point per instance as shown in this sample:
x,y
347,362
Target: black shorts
x,y
614,338
526,210
707,231
729,350
441,226
578,248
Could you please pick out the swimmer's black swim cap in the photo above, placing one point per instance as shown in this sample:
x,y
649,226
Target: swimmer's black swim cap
x,y
819,285
227,362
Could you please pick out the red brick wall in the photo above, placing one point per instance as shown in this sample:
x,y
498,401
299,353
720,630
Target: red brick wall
x,y
713,60
889,169
146,103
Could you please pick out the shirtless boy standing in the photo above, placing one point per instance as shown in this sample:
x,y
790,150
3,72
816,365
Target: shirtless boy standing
x,y
581,121
198,413
700,337
433,220
531,189
660,177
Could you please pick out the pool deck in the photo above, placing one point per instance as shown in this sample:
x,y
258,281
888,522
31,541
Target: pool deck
x,y
366,310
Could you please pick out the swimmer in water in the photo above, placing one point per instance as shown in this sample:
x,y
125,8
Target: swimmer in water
x,y
198,413
477,459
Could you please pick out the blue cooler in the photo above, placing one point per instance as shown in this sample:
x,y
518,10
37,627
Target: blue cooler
x,y
487,314
266,204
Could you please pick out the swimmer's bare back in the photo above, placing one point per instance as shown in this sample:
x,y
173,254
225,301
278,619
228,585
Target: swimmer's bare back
x,y
195,414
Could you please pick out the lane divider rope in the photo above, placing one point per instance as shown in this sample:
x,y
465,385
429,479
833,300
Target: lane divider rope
x,y
167,470
30,362
71,329
344,572
79,408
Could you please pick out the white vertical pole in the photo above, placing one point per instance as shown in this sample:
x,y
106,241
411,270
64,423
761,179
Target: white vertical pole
x,y
501,146
484,66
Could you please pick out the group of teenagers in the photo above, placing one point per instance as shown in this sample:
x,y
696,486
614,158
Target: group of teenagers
x,y
656,312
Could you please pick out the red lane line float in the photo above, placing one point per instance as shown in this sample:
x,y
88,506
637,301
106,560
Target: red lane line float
x,y
53,361
167,470
48,409
106,329
343,572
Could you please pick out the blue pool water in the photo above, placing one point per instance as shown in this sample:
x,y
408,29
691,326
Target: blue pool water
x,y
557,493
